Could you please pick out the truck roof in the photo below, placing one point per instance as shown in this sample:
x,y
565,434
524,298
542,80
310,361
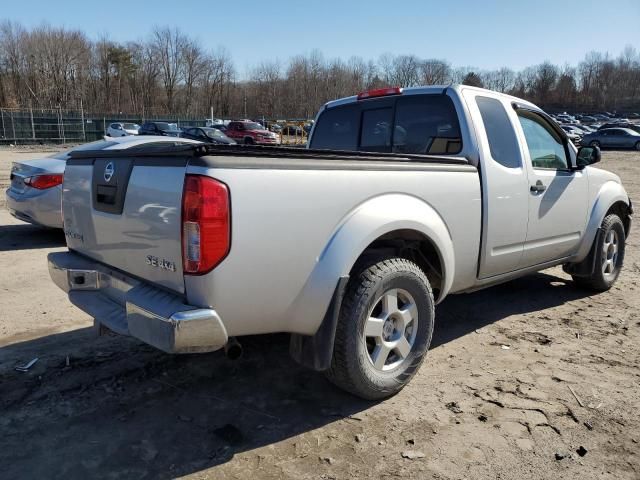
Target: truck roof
x,y
436,89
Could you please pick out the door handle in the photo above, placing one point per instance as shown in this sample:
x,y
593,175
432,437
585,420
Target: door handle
x,y
538,187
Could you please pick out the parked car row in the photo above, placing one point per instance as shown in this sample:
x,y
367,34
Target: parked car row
x,y
601,129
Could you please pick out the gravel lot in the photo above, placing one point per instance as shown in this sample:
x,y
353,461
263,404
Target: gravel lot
x,y
561,402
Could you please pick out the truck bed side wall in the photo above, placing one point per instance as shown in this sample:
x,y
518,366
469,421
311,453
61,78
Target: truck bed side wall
x,y
276,261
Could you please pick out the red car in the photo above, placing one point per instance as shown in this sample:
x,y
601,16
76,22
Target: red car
x,y
251,133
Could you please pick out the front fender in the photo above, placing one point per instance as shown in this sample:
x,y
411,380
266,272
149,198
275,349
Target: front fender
x,y
610,193
364,224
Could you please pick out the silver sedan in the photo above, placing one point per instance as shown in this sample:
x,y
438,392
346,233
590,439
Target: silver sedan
x,y
36,185
613,138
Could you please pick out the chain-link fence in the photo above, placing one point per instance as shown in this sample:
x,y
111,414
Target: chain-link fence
x,y
33,126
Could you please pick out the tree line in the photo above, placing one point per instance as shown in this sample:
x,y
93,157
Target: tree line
x,y
170,73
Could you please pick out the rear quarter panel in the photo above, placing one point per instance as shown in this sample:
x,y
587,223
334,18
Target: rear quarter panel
x,y
283,222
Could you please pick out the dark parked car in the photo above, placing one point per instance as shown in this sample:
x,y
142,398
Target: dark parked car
x,y
207,135
631,126
160,128
613,137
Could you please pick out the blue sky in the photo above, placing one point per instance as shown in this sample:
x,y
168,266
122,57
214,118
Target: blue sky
x,y
484,34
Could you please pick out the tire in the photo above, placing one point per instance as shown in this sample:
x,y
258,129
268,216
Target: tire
x,y
637,146
595,143
248,141
609,253
406,335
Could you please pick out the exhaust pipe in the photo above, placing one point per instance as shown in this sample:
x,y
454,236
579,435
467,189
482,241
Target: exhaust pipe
x,y
233,349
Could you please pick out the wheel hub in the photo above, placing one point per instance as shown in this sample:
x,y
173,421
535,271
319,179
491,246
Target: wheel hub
x,y
391,329
388,328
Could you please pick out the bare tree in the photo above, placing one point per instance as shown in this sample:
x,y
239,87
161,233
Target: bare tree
x,y
169,45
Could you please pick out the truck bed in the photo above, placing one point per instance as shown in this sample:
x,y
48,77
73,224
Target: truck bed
x,y
289,208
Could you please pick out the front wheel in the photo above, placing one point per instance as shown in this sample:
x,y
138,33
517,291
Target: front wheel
x,y
384,329
595,143
609,256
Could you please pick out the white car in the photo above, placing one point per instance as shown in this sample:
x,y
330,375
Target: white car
x,y
122,129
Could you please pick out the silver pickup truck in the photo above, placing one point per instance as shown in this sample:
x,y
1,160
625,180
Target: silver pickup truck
x,y
403,197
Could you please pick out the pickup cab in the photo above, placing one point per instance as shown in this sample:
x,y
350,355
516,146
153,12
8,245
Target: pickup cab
x,y
403,197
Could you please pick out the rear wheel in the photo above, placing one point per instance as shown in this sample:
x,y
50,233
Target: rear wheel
x,y
609,256
637,145
248,141
384,329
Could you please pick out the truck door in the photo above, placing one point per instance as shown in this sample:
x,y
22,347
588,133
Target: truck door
x,y
557,194
504,185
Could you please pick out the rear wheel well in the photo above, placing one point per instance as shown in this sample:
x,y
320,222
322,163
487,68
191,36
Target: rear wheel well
x,y
622,210
409,244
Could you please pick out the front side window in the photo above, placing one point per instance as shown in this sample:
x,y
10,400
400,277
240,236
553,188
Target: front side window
x,y
503,143
546,146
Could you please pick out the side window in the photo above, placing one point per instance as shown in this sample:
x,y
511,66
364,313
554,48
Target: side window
x,y
546,146
503,143
426,124
376,129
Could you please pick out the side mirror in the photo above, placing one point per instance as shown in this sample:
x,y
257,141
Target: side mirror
x,y
588,156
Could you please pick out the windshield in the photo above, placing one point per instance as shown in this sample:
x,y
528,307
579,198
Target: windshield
x,y
167,127
98,145
253,126
131,126
213,133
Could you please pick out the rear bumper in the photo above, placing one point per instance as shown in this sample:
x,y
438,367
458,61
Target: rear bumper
x,y
132,307
42,208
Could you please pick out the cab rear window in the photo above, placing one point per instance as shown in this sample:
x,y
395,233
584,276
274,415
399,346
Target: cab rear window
x,y
416,124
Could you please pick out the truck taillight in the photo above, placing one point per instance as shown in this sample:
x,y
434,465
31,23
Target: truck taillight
x,y
42,182
206,224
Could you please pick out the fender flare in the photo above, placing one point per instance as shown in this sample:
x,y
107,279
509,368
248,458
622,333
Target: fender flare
x,y
609,194
321,296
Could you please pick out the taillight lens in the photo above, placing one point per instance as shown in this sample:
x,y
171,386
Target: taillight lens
x,y
379,92
42,182
206,224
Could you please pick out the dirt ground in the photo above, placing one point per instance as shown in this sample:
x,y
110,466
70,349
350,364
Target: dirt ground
x,y
561,401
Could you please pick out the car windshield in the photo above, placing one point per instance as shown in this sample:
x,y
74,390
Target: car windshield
x,y
253,126
98,145
167,127
131,126
213,133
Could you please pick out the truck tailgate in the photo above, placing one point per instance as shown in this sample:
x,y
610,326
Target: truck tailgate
x,y
126,213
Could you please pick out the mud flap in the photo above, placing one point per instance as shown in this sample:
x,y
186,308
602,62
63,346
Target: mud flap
x,y
586,267
315,351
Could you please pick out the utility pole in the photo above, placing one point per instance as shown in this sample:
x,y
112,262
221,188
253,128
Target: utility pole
x,y
245,104
33,128
84,133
